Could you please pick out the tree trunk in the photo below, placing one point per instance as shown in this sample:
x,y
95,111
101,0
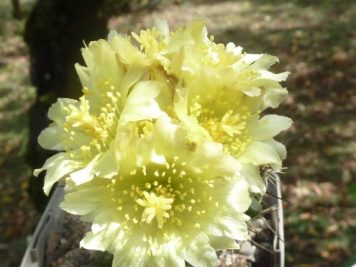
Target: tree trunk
x,y
16,9
55,32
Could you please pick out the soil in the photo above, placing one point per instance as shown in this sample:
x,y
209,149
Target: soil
x,y
63,246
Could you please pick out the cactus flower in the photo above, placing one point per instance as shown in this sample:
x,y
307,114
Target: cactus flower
x,y
164,148
84,131
169,204
220,92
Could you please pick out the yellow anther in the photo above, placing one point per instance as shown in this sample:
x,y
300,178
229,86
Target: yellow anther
x,y
155,207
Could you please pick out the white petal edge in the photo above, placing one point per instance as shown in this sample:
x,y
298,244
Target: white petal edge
x,y
269,126
57,167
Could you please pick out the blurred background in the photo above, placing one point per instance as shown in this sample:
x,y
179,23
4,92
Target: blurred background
x,y
314,40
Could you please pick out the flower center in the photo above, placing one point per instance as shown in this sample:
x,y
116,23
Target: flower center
x,y
151,41
155,207
92,128
168,194
228,128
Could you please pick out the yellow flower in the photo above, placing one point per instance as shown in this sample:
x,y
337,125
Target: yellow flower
x,y
246,137
200,65
164,147
219,94
115,93
169,203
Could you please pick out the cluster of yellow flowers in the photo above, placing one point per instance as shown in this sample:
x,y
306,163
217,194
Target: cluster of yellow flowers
x,y
162,153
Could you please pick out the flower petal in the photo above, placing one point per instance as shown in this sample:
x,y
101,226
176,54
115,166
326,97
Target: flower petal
x,y
93,241
269,126
101,240
140,104
51,138
84,76
259,153
239,197
107,166
80,203
126,52
86,174
57,111
169,254
222,242
133,256
234,227
279,147
252,175
56,166
274,96
200,252
265,74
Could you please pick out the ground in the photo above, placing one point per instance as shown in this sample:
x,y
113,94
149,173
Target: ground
x,y
17,215
315,42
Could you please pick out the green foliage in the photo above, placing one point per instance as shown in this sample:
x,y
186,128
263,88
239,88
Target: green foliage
x,y
352,193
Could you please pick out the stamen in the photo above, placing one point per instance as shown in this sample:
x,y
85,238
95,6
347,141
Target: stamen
x,y
155,207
